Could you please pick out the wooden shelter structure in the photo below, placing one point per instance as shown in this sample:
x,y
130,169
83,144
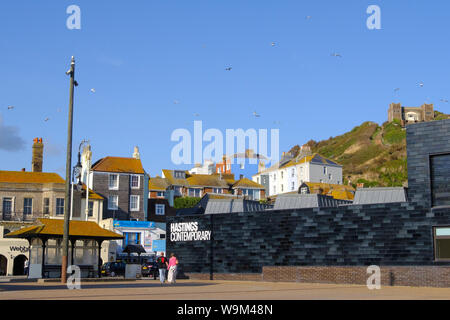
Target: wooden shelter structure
x,y
45,244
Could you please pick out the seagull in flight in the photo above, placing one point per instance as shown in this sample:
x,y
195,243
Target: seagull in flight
x,y
273,44
228,69
256,115
46,119
396,89
93,90
444,100
421,84
336,55
10,107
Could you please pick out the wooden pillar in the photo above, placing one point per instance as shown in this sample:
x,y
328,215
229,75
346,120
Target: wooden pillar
x,y
44,245
72,243
99,242
29,257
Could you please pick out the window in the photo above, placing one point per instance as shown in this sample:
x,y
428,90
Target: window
x,y
440,180
282,174
293,173
304,190
46,205
161,194
134,203
442,243
91,209
160,209
177,191
330,176
113,202
27,206
195,193
257,180
217,190
59,206
251,194
293,186
282,188
179,174
162,236
324,170
113,181
134,181
132,238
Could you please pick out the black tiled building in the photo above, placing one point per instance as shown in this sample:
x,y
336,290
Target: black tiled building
x,y
408,240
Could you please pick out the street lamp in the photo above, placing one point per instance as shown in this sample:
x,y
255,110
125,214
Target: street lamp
x,y
76,175
65,252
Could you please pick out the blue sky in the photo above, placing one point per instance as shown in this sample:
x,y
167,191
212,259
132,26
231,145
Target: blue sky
x,y
141,56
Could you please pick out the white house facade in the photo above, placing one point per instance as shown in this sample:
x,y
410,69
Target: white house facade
x,y
289,176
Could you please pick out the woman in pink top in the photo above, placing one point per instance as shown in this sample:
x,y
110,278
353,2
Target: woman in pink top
x,y
173,262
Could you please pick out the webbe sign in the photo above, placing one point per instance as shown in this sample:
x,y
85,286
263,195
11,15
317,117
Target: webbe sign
x,y
188,231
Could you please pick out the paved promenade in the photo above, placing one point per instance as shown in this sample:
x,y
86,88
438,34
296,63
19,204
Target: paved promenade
x,y
212,290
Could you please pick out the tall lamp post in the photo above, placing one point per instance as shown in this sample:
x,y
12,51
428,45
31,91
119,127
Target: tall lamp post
x,y
65,252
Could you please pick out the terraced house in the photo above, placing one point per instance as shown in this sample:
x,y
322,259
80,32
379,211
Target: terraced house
x,y
185,184
123,183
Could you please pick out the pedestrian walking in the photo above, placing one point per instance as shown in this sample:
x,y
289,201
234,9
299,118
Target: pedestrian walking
x,y
25,267
172,267
163,264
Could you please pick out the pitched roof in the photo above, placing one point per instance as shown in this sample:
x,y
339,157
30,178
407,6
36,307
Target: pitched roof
x,y
120,165
337,191
314,158
30,177
92,194
379,195
298,201
158,183
246,183
55,228
200,180
168,174
206,180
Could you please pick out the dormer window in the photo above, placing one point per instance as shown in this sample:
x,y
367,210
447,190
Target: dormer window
x,y
179,174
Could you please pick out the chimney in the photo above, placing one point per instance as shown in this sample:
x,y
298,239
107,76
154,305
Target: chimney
x,y
23,170
136,153
38,155
241,177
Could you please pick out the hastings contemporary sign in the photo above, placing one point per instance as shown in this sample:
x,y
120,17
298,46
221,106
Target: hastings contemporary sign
x,y
188,231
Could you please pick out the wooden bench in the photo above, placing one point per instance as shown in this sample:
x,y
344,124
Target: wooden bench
x,y
89,269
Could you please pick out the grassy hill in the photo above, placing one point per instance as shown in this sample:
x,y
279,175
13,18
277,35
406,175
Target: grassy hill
x,y
370,154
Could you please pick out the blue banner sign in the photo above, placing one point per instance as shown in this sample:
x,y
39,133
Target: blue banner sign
x,y
133,224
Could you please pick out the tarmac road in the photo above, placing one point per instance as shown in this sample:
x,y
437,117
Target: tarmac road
x,y
213,290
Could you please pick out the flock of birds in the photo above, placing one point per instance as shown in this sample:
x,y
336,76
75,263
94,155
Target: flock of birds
x,y
10,108
229,68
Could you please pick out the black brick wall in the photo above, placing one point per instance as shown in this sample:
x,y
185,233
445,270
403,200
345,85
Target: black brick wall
x,y
399,234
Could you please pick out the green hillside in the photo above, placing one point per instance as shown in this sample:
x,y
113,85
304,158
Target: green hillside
x,y
370,154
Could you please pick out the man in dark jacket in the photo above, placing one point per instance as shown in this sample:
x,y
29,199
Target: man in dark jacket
x,y
162,266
